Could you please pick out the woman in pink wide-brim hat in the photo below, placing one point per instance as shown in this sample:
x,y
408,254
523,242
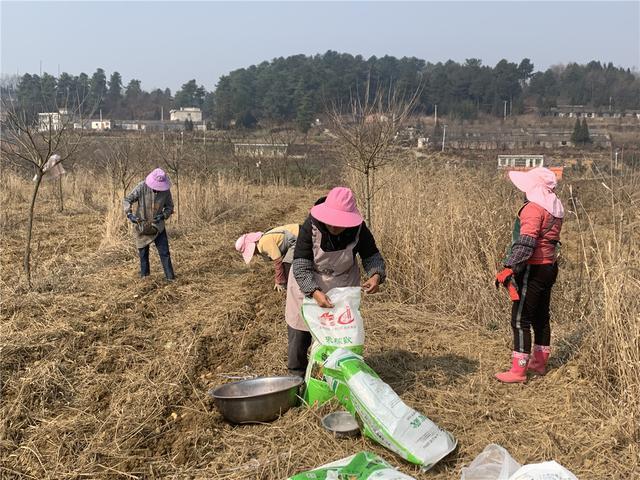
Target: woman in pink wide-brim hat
x,y
325,258
530,271
154,207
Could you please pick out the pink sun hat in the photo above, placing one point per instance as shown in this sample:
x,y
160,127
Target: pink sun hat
x,y
339,209
539,185
158,180
246,245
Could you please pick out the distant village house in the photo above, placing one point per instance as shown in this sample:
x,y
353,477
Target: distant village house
x,y
520,161
101,125
53,120
186,113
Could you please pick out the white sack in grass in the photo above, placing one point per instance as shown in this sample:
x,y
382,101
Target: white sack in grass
x,y
494,463
543,471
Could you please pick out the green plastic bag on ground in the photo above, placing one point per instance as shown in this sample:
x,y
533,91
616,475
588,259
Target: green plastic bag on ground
x,y
361,466
316,390
382,413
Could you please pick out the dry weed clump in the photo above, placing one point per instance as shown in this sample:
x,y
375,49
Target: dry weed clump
x,y
612,271
443,232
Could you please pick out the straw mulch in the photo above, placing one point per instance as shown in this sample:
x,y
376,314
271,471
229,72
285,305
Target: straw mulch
x,y
106,376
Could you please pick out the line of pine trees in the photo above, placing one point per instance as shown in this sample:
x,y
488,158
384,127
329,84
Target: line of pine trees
x,y
297,88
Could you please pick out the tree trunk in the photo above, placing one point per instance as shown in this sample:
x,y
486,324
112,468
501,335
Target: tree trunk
x,y
27,247
178,197
60,195
367,175
372,193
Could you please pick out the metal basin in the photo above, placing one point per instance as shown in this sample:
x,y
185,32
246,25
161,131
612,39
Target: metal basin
x,y
261,399
342,424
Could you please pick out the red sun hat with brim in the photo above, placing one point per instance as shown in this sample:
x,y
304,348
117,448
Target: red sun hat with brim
x,y
339,209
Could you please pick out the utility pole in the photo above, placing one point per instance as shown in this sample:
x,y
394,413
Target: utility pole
x,y
162,122
436,114
444,135
504,115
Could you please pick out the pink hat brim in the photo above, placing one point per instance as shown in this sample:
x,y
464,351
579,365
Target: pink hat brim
x,y
336,218
523,181
246,245
153,184
248,252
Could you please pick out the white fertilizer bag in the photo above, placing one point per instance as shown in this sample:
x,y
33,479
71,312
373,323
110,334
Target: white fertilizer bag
x,y
340,326
385,417
543,471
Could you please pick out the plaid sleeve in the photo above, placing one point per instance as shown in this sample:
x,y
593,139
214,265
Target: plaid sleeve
x,y
133,197
303,273
375,264
168,205
521,251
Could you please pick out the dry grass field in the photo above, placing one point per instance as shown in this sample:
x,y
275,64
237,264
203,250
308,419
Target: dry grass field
x,y
106,376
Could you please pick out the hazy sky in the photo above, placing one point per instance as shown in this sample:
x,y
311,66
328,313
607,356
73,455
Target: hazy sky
x,y
165,44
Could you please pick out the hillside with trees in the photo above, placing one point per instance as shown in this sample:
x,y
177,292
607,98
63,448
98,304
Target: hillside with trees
x,y
296,88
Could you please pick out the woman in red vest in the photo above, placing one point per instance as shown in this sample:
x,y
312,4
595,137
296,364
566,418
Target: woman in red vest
x,y
531,268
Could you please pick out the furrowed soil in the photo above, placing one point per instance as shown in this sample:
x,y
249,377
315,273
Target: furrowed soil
x,y
105,375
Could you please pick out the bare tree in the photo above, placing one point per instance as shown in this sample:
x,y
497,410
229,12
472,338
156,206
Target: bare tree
x,y
365,131
119,165
172,153
30,142
288,137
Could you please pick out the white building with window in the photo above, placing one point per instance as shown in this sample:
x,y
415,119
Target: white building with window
x,y
186,113
53,120
101,125
520,161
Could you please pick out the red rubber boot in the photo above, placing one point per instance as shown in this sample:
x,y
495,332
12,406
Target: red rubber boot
x,y
538,364
518,372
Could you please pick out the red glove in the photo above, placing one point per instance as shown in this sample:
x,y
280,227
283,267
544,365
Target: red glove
x,y
502,277
505,277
